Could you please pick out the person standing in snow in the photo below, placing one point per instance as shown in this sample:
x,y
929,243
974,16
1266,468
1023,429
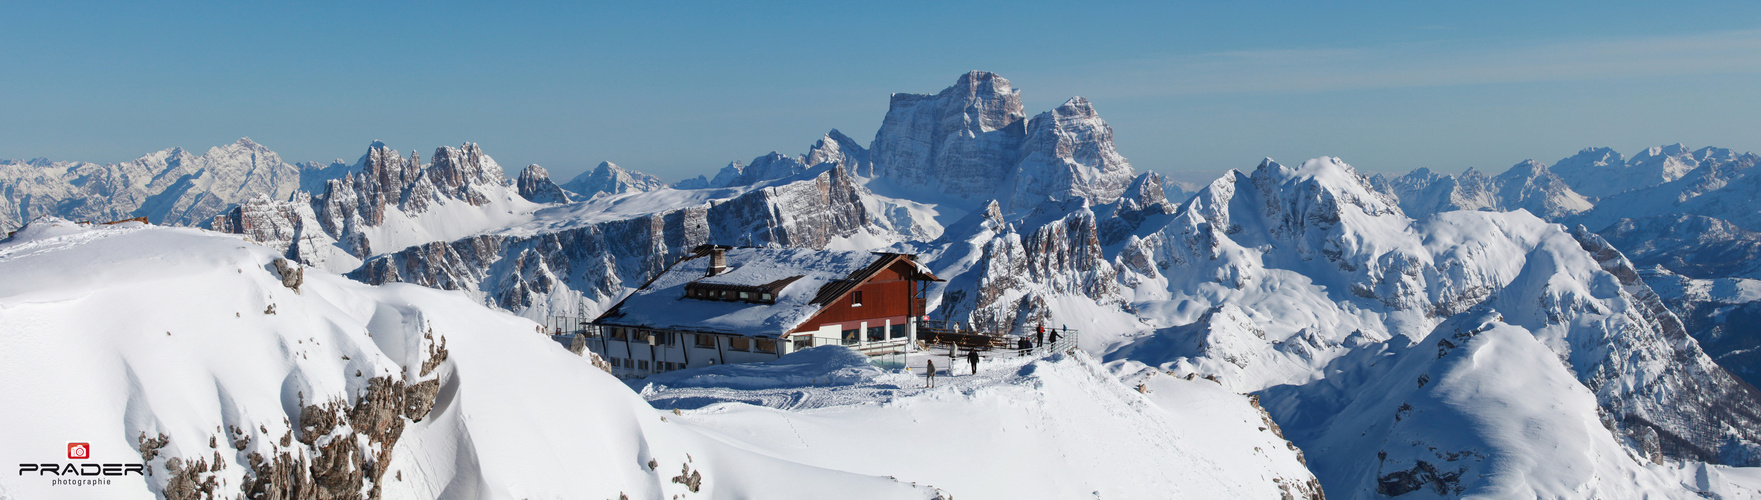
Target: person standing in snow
x,y
1040,336
1054,335
1025,345
972,357
932,373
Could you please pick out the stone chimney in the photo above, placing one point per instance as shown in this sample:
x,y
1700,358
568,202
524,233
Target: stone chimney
x,y
718,260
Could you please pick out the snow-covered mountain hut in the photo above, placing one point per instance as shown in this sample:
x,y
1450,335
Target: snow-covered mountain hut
x,y
741,305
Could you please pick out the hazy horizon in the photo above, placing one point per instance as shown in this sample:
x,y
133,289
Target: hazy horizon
x,y
680,90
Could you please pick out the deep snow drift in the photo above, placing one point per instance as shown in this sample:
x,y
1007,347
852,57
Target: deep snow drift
x,y
185,349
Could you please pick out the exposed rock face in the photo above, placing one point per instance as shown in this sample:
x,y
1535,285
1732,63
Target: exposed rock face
x,y
1068,153
535,185
967,138
1526,186
292,276
600,261
840,149
292,225
336,449
608,177
1008,289
338,228
764,168
170,187
960,141
388,180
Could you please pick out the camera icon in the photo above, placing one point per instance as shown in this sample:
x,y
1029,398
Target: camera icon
x,y
79,451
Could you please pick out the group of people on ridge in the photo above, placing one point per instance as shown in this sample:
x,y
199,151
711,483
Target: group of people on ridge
x,y
1025,345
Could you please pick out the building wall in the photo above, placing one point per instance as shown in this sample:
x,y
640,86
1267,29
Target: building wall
x,y
887,295
635,357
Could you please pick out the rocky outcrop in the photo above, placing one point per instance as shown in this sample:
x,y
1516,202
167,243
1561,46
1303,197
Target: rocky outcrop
x,y
965,139
387,180
1017,275
1723,420
960,141
335,449
608,177
599,262
839,149
1068,153
338,228
535,185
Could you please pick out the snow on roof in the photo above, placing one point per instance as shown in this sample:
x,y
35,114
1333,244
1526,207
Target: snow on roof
x,y
662,303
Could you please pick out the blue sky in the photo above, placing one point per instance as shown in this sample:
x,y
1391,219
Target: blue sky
x,y
678,89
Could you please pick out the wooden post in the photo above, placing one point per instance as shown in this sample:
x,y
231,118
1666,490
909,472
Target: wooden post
x,y
686,348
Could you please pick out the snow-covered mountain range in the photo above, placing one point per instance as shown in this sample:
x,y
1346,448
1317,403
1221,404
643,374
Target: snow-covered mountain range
x,y
1429,334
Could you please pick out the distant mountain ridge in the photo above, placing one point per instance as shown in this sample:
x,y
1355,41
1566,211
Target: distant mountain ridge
x,y
1356,308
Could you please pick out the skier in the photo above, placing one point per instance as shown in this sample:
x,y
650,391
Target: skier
x,y
972,357
932,373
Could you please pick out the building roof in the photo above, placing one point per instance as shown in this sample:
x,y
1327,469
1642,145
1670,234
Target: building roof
x,y
810,279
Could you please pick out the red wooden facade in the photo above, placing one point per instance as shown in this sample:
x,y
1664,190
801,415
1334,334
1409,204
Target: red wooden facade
x,y
885,295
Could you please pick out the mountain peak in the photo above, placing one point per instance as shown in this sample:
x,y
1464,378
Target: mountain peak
x,y
534,184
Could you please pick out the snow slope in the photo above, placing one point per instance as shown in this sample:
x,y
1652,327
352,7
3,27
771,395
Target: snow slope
x,y
119,336
1058,427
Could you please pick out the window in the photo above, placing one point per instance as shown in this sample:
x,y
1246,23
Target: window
x,y
705,341
803,342
724,295
740,343
745,296
877,333
898,332
856,298
662,338
619,334
765,297
617,362
642,364
852,336
767,345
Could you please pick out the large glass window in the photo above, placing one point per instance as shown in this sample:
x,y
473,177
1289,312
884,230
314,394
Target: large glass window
x,y
705,341
767,345
740,343
897,332
877,333
852,336
618,333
